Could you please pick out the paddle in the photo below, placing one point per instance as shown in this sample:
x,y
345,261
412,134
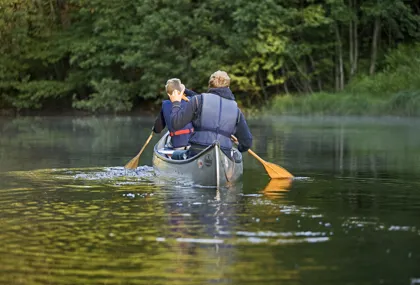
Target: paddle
x,y
133,163
273,170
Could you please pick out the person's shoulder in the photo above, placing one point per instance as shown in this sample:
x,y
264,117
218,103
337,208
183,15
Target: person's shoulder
x,y
190,93
166,102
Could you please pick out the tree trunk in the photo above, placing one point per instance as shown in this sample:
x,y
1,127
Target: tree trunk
x,y
262,85
376,30
341,149
306,82
283,73
286,89
356,40
340,58
351,41
63,12
53,11
293,80
336,75
297,85
318,77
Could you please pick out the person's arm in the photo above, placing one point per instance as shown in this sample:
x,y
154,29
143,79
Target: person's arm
x,y
182,116
159,123
190,93
243,134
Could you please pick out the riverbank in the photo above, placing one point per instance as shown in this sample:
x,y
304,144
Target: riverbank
x,y
404,103
395,91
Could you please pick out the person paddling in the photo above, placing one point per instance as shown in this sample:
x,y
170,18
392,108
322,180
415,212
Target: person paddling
x,y
179,137
215,116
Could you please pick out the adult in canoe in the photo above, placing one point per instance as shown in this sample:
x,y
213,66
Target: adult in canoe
x,y
180,137
215,116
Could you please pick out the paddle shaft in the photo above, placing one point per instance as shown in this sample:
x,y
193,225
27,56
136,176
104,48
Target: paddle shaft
x,y
256,156
273,170
133,163
144,146
235,139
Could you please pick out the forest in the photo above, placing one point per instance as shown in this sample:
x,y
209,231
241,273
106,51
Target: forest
x,y
288,56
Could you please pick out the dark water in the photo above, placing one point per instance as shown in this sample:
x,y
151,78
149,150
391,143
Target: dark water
x,y
70,214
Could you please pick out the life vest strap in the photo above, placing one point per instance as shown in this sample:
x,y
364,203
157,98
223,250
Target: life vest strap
x,y
215,130
181,132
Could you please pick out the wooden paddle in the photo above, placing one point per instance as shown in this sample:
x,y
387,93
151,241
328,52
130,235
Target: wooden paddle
x,y
273,170
133,163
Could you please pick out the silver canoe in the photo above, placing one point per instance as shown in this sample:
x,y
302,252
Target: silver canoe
x,y
211,167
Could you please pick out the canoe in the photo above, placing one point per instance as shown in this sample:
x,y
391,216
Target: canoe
x,y
211,167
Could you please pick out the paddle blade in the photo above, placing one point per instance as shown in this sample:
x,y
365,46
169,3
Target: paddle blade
x,y
275,171
133,163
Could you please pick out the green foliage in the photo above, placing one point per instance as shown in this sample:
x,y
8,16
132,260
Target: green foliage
x,y
401,72
109,55
405,103
110,95
401,104
327,104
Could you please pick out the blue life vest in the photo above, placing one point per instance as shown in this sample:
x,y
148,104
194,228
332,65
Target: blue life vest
x,y
217,122
178,138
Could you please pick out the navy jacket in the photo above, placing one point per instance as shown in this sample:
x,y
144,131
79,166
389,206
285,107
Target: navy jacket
x,y
163,120
191,111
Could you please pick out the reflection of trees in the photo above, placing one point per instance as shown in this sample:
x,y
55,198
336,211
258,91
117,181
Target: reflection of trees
x,y
34,143
348,147
333,146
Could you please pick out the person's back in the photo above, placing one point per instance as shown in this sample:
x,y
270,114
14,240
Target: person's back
x,y
215,117
180,137
218,118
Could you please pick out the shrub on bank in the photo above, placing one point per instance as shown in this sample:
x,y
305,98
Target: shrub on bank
x,y
394,91
405,103
326,104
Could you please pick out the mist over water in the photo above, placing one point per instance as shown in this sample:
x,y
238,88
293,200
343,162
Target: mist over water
x,y
71,214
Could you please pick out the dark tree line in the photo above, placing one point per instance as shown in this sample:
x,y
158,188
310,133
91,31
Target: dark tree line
x,y
103,54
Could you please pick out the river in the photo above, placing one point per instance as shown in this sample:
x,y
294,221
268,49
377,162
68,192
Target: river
x,y
70,213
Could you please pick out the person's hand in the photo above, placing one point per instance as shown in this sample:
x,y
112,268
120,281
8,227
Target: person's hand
x,y
176,96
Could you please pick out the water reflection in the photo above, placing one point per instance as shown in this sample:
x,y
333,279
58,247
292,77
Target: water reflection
x,y
354,221
276,187
347,147
89,226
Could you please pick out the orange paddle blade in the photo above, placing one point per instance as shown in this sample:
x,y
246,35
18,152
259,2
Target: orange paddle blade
x,y
275,171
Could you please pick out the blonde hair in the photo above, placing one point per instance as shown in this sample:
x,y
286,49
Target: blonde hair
x,y
173,84
219,79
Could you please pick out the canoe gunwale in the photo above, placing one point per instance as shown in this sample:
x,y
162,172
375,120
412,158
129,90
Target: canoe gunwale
x,y
184,161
